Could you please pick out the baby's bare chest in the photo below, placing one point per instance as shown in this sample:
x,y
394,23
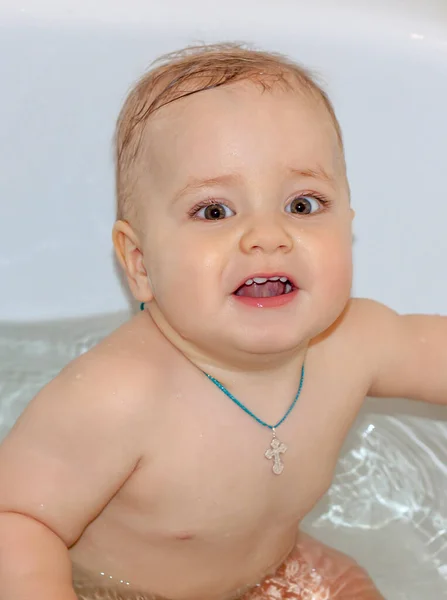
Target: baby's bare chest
x,y
206,474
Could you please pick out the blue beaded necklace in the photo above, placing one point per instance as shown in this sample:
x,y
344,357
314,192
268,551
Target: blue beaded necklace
x,y
276,447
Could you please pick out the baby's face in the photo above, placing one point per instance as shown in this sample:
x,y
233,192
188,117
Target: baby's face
x,y
243,184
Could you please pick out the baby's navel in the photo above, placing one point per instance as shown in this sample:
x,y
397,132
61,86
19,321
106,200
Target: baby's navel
x,y
184,535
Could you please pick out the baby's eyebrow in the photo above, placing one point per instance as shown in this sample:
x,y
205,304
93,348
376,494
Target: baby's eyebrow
x,y
317,172
196,183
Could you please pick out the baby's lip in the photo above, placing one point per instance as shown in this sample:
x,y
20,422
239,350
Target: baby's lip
x,y
278,275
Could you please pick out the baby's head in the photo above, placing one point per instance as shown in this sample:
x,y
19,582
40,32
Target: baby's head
x,y
230,166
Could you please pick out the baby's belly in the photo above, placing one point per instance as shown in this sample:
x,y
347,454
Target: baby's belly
x,y
182,569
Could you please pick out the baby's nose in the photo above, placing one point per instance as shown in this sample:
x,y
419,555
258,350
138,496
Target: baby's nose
x,y
266,235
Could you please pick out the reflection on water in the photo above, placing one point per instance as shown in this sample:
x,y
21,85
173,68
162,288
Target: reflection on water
x,y
387,505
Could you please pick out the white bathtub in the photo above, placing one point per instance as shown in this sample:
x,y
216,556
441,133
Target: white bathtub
x,y
65,68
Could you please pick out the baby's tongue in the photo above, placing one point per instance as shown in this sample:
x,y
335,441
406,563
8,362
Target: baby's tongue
x,y
261,290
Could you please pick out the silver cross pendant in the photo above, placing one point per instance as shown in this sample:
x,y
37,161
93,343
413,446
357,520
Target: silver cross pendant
x,y
276,449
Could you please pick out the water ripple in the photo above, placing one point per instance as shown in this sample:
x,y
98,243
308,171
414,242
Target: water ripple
x,y
387,505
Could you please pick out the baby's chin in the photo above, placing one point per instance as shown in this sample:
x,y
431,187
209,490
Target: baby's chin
x,y
261,350
255,347
282,339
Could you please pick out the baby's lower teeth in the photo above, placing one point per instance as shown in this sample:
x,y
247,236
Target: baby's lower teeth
x,y
288,288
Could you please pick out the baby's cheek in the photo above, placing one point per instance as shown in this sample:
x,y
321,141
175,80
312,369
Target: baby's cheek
x,y
335,268
179,289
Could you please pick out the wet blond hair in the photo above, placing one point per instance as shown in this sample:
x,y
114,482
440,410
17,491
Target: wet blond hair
x,y
191,70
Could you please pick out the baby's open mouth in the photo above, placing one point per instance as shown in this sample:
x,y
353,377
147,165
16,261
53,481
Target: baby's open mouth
x,y
265,287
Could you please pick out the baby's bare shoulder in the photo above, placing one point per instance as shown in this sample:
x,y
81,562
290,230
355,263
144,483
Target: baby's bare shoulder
x,y
124,364
85,430
357,323
351,342
364,319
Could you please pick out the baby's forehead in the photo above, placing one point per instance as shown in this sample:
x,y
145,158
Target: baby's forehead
x,y
236,119
227,99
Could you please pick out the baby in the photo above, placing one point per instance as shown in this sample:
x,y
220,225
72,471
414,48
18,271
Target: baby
x,y
177,458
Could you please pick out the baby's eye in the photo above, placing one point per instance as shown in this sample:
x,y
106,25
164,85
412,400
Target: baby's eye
x,y
213,212
304,205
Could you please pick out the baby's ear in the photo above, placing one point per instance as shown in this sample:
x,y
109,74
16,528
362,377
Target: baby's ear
x,y
130,257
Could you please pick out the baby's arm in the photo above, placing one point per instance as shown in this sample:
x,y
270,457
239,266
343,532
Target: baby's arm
x,y
66,457
406,354
34,562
